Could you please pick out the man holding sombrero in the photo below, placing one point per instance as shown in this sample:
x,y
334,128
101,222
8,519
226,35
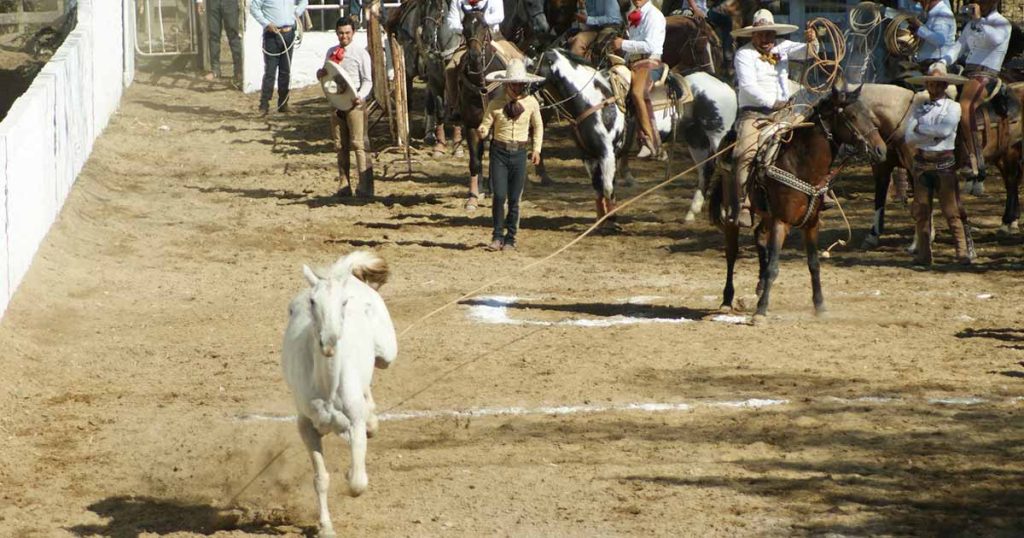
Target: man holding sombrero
x,y
512,116
931,129
762,76
345,79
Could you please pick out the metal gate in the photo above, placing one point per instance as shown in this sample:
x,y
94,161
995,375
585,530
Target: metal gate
x,y
166,28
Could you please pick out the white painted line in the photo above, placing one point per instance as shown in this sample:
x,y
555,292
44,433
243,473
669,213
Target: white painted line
x,y
494,310
730,318
984,296
644,407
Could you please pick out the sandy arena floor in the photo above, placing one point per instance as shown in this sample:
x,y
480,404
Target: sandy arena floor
x,y
141,357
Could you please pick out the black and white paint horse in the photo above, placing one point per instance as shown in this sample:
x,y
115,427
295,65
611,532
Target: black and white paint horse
x,y
586,98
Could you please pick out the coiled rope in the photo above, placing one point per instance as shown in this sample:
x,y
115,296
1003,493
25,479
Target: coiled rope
x,y
899,40
829,68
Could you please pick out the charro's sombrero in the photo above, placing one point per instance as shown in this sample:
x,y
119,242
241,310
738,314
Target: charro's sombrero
x,y
338,87
516,72
937,73
764,21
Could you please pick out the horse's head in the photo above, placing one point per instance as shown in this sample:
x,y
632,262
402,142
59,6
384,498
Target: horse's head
x,y
538,19
477,35
328,302
853,122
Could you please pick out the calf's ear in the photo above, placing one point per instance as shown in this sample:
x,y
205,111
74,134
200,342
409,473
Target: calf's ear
x,y
310,275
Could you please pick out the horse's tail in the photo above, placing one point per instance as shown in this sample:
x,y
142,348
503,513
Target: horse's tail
x,y
364,265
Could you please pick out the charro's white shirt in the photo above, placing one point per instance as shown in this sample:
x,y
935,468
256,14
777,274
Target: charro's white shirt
x,y
984,41
760,83
646,39
494,13
932,125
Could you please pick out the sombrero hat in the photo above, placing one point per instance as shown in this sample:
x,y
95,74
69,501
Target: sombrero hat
x,y
337,87
516,72
937,73
764,21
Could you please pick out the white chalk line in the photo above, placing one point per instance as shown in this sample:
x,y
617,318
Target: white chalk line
x,y
493,309
647,407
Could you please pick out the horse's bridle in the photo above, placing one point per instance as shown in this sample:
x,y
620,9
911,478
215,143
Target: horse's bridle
x,y
484,44
861,137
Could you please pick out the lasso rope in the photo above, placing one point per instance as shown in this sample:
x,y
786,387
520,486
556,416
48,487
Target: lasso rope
x,y
864,36
831,68
898,44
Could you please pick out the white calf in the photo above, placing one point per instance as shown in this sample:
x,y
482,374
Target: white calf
x,y
338,329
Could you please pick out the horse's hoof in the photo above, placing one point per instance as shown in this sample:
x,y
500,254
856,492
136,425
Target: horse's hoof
x,y
690,217
326,533
546,181
459,152
759,320
1009,229
440,150
821,312
725,309
870,242
628,181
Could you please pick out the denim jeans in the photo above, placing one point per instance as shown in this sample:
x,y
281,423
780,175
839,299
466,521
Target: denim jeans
x,y
276,63
508,177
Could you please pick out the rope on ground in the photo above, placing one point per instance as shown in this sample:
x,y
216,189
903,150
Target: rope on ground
x,y
565,247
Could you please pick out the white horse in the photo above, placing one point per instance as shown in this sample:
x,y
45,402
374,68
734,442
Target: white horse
x,y
338,330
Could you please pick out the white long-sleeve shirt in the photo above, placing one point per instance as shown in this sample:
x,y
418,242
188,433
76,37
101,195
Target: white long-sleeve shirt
x,y
938,33
760,83
494,12
647,38
279,12
984,41
357,65
932,125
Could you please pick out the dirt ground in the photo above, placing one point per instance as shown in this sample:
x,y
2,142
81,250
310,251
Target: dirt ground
x,y
149,329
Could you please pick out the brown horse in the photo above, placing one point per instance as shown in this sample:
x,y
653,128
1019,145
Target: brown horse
x,y
788,193
479,60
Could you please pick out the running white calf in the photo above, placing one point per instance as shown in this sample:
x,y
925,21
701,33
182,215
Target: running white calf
x,y
338,330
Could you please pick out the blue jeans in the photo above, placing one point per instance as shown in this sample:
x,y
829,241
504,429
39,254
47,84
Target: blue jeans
x,y
276,64
508,177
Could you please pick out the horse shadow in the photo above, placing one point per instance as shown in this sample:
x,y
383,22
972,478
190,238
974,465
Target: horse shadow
x,y
131,517
256,194
389,201
1014,339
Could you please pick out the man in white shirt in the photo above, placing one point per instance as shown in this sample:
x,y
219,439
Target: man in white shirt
x,y
937,33
278,19
931,129
762,75
494,14
646,37
348,127
984,41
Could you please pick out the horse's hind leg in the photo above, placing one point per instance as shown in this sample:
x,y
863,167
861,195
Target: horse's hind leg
x,y
372,422
776,236
882,172
1011,170
814,266
321,480
761,240
356,410
732,247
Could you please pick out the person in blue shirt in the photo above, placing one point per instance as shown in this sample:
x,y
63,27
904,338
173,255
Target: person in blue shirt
x,y
598,17
937,33
278,19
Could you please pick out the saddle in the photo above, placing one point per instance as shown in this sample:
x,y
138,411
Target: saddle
x,y
668,87
997,115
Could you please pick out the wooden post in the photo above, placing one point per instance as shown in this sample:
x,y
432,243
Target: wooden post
x,y
19,8
401,108
379,62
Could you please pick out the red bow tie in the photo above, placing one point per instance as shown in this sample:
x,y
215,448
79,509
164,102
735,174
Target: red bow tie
x,y
634,18
338,56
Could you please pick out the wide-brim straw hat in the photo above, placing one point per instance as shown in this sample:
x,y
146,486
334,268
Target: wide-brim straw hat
x,y
338,87
937,73
764,21
516,73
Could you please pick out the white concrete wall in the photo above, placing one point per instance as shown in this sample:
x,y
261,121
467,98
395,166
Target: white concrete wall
x,y
49,132
308,56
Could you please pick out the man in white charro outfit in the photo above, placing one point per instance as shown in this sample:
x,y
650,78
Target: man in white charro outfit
x,y
494,14
984,41
762,75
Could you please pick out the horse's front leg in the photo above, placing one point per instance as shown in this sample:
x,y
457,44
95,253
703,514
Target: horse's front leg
x,y
814,266
357,413
732,247
776,236
321,479
475,160
606,169
542,173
